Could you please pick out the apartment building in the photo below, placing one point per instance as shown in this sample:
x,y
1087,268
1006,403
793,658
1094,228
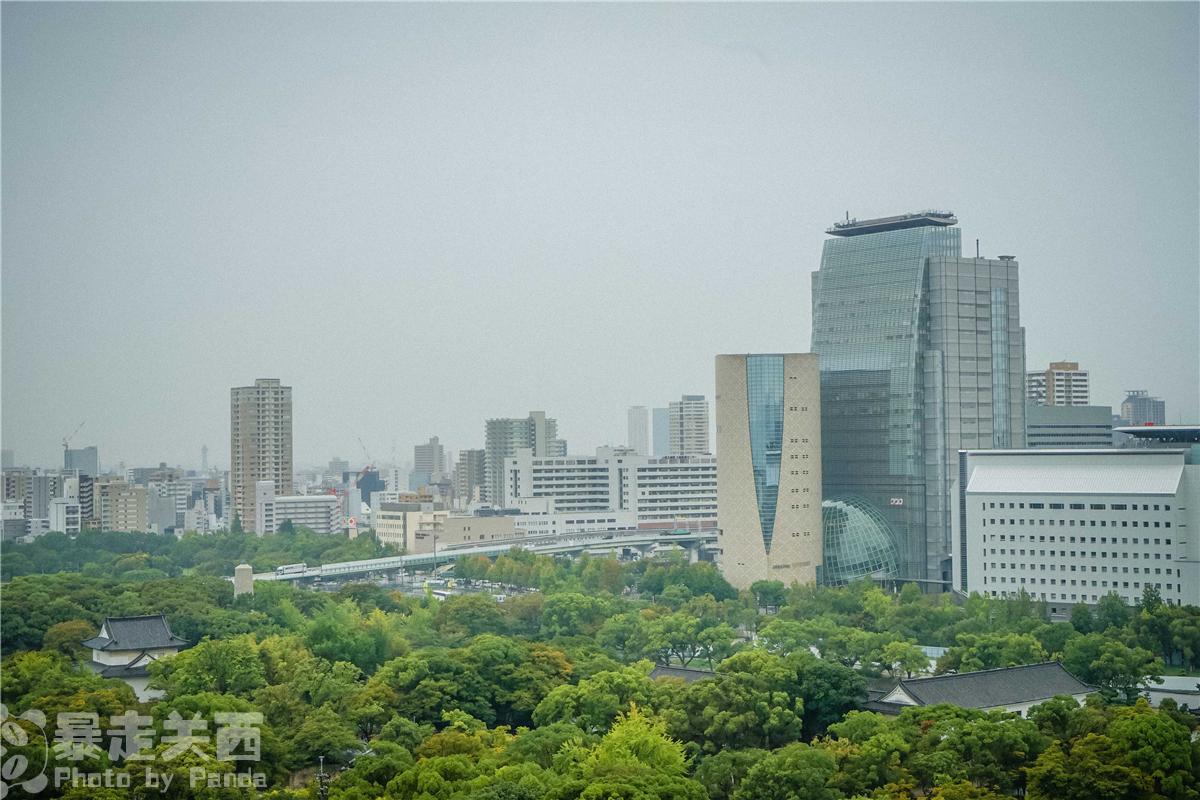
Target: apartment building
x,y
260,443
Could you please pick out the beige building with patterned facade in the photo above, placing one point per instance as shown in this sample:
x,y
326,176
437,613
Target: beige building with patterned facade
x,y
768,419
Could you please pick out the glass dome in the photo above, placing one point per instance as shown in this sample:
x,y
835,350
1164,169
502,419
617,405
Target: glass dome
x,y
858,541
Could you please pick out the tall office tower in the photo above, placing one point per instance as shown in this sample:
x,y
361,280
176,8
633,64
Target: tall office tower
x,y
769,468
337,466
662,431
1063,384
470,477
1140,408
430,459
688,420
85,459
638,437
6,458
503,437
260,443
922,354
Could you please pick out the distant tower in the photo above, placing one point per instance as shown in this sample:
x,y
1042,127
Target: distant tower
x,y
243,580
204,458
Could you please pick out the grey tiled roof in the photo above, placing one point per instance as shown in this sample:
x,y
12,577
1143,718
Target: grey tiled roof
x,y
118,670
687,673
993,688
136,633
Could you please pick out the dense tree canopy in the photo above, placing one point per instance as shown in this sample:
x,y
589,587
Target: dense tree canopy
x,y
549,694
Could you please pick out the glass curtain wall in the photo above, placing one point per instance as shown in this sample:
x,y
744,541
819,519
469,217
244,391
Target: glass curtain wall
x,y
764,395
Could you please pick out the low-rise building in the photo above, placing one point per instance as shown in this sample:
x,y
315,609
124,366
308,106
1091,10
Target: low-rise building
x,y
1015,689
125,647
663,492
320,512
1060,426
64,515
1070,526
410,526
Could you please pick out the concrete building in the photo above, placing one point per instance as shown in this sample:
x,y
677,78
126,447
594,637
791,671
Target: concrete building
x,y
662,431
1139,408
260,443
119,506
769,475
410,526
430,459
1070,526
662,492
320,512
687,419
504,437
125,647
1059,426
470,477
338,466
7,459
922,355
41,489
1062,384
64,515
638,430
86,460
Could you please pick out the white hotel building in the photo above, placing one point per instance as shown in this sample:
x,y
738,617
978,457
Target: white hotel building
x,y
663,491
1070,526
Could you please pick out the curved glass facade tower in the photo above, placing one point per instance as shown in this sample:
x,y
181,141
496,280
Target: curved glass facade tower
x,y
921,354
768,418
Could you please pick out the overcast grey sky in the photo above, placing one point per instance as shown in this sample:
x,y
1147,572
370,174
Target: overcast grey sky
x,y
422,216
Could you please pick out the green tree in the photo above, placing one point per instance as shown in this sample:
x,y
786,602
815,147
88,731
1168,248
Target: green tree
x,y
1119,671
65,638
905,656
1111,611
793,772
1082,619
221,665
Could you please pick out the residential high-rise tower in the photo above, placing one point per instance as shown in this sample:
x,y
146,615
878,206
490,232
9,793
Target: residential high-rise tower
x,y
1063,384
260,443
688,421
922,354
769,468
503,437
1139,408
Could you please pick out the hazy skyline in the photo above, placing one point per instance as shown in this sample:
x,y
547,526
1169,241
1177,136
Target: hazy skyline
x,y
423,216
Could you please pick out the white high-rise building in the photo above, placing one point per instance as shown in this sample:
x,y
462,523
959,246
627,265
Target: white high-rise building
x,y
688,420
1063,384
639,430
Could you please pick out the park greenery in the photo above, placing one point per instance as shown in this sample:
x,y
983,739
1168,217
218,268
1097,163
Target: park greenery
x,y
550,694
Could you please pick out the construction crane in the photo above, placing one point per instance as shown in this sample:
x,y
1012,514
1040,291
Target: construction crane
x,y
67,440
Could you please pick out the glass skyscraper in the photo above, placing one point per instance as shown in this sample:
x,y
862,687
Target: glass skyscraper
x,y
921,354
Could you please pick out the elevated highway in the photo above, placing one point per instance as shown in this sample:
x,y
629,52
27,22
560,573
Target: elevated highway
x,y
640,542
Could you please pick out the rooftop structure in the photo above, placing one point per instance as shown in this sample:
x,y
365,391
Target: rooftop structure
x,y
1009,688
920,219
1172,434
